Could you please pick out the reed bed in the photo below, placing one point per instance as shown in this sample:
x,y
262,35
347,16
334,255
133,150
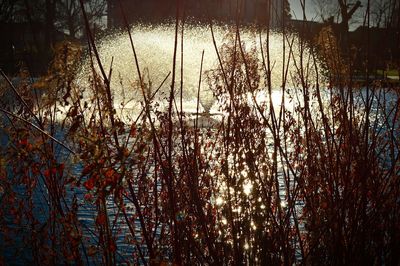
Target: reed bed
x,y
313,183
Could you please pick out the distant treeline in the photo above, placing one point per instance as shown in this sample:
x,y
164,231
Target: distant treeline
x,y
260,11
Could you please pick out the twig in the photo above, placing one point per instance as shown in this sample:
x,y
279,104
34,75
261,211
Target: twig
x,y
20,98
37,128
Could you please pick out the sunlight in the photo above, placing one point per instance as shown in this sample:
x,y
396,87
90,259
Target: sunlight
x,y
219,201
276,98
247,187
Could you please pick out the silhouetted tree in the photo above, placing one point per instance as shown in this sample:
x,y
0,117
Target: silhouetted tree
x,y
347,11
343,11
110,8
380,13
50,12
150,10
69,14
286,10
7,8
340,10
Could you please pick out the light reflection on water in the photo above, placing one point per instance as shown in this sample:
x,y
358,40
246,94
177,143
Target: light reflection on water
x,y
245,192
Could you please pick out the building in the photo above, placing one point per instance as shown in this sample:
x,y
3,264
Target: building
x,y
379,45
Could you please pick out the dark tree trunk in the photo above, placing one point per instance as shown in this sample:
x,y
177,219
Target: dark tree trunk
x,y
346,15
110,13
49,18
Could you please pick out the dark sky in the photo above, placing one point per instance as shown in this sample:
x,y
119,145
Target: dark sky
x,y
312,14
297,13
